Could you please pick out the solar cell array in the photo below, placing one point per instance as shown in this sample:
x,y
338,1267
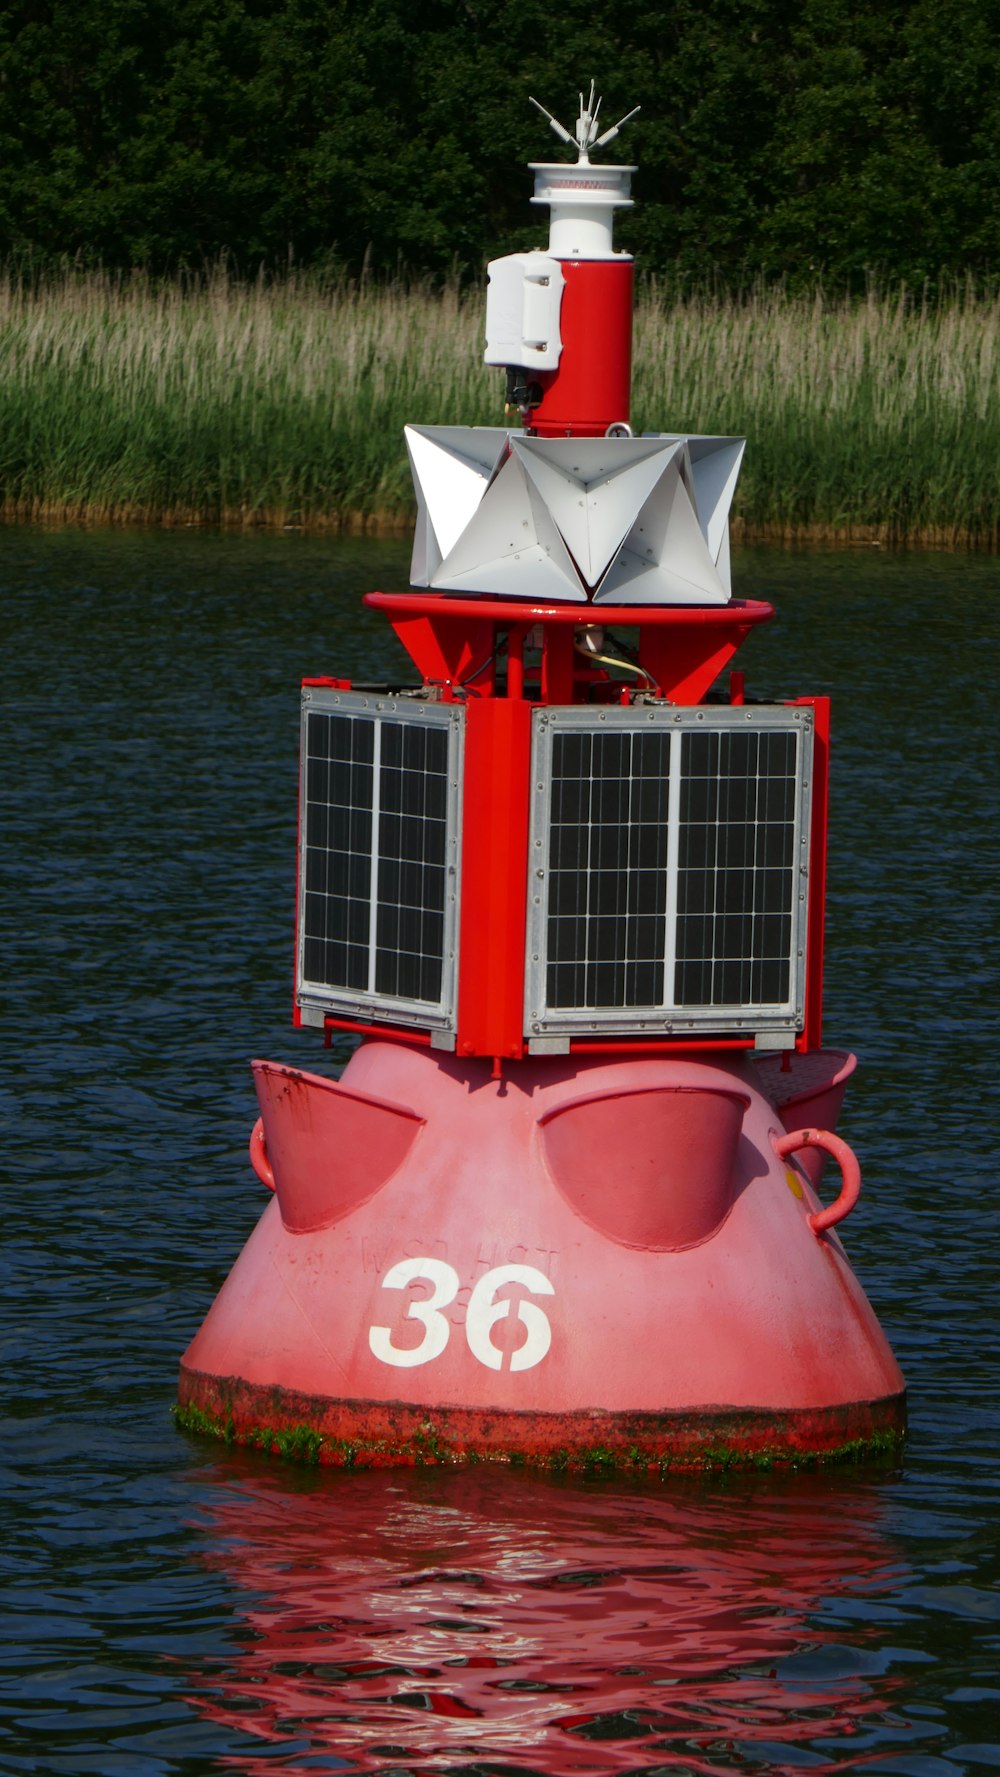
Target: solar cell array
x,y
379,853
669,853
673,883
736,877
607,868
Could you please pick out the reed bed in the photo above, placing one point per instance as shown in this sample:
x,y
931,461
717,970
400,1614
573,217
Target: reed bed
x,y
283,402
874,419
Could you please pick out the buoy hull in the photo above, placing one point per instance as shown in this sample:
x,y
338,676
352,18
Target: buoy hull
x,y
587,1262
396,1434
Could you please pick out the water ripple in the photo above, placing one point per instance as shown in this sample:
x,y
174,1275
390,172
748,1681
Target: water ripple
x,y
169,1609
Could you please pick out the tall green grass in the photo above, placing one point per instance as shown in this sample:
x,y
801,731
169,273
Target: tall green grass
x,y
877,418
284,402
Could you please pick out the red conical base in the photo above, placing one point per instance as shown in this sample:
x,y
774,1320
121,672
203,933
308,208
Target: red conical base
x,y
588,1261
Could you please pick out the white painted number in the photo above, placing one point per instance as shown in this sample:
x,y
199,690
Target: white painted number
x,y
484,1311
436,1328
481,1316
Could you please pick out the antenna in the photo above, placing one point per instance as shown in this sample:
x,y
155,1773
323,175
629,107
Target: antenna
x,y
563,134
586,123
609,135
586,136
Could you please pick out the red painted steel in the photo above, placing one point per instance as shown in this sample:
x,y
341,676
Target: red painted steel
x,y
493,913
850,1188
656,1045
447,648
808,1090
375,1434
483,1287
515,659
387,1032
591,389
258,1155
812,1030
684,648
367,1138
698,1126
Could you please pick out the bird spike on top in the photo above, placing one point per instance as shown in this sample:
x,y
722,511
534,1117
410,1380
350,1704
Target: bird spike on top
x,y
586,136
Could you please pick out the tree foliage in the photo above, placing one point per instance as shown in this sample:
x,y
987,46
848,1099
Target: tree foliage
x,y
804,140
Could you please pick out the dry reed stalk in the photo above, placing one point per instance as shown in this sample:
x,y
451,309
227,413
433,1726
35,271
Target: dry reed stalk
x,y
284,402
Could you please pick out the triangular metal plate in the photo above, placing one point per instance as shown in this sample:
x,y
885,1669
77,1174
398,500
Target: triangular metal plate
x,y
665,558
594,488
451,467
511,527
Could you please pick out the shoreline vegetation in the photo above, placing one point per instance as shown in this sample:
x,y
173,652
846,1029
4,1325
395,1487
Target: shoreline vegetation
x,y
282,402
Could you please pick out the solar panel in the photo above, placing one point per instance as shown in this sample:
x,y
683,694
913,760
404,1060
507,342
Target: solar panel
x,y
736,878
670,852
379,855
607,865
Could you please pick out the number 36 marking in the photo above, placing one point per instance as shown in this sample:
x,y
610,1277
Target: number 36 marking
x,y
481,1315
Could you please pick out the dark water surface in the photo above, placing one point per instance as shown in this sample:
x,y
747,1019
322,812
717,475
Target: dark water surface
x,y
174,1607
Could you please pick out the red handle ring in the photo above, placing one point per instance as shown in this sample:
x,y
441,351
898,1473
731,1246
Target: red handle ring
x,y
258,1155
850,1171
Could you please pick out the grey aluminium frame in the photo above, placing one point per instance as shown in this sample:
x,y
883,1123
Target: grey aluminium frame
x,y
771,1025
317,999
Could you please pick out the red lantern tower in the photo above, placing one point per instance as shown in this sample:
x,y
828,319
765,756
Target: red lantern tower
x,y
562,1204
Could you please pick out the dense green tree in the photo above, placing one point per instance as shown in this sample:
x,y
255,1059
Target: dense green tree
x,y
799,139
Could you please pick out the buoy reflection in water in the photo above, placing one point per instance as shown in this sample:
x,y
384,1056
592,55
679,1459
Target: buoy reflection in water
x,y
554,1626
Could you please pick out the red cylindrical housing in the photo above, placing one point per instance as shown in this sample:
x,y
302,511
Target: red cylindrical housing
x,y
591,389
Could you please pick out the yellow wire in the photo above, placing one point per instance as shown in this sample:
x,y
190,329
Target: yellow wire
x,y
628,666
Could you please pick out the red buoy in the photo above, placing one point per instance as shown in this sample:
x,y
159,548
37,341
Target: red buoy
x,y
562,1205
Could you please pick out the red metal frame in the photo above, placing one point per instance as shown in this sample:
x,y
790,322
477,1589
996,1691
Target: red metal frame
x,y
389,1033
493,917
811,1035
684,649
656,1046
444,649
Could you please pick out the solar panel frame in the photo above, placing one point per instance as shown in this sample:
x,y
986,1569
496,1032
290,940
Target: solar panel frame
x,y
379,859
746,890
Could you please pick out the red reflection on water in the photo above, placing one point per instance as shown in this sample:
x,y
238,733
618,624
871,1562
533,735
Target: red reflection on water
x,y
430,1620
